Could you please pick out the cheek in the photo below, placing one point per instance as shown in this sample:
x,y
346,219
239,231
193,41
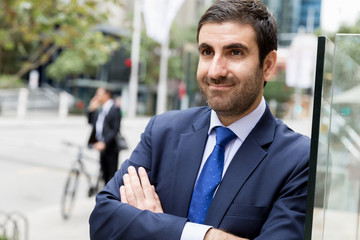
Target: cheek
x,y
201,72
242,70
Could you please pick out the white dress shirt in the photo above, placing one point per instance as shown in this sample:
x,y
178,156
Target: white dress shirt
x,y
101,117
241,128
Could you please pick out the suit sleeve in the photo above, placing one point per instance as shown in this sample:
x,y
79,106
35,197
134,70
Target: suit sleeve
x,y
91,117
114,220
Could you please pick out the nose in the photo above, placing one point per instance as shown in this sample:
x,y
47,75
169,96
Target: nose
x,y
218,67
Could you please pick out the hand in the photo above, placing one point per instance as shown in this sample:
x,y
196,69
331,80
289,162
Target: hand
x,y
94,104
138,191
215,234
100,146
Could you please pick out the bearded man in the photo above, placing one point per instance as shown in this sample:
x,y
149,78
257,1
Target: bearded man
x,y
228,170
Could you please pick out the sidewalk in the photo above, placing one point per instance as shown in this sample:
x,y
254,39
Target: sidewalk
x,y
35,164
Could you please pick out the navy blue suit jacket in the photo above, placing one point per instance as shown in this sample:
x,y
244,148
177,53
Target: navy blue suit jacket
x,y
262,195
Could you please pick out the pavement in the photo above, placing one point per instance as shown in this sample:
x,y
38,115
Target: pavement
x,y
34,165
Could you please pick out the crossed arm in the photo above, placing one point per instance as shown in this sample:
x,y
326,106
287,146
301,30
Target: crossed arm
x,y
138,192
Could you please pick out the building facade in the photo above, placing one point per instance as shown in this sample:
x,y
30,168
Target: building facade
x,y
295,16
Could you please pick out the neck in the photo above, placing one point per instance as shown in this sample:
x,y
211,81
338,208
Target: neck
x,y
105,101
228,119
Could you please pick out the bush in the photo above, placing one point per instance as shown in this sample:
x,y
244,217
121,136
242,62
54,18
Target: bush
x,y
10,81
3,237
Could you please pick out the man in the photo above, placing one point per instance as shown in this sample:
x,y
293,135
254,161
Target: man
x,y
263,183
105,126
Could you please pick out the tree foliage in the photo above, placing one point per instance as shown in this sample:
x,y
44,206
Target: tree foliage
x,y
349,46
347,57
150,53
277,90
32,32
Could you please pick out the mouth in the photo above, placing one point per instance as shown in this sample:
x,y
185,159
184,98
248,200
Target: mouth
x,y
220,84
220,87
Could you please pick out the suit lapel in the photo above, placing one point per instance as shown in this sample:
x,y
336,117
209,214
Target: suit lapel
x,y
109,114
241,167
244,163
187,164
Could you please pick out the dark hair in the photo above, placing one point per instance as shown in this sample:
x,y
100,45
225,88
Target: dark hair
x,y
107,91
251,12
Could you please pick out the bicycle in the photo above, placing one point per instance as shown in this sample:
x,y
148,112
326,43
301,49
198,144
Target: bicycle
x,y
72,181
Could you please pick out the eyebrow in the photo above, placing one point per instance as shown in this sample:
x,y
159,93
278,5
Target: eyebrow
x,y
237,46
230,46
204,45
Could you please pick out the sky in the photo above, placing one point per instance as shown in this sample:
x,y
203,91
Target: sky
x,y
336,12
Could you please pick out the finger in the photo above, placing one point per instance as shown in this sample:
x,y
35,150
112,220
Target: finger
x,y
145,183
123,194
130,196
157,201
156,197
136,185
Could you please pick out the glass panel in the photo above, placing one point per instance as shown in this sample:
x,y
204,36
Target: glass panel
x,y
319,140
335,145
333,205
342,208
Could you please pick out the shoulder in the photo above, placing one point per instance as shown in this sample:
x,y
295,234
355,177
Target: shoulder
x,y
180,115
280,140
180,120
167,128
291,143
285,132
270,132
114,109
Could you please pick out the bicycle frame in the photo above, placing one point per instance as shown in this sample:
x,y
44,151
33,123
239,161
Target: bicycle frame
x,y
71,186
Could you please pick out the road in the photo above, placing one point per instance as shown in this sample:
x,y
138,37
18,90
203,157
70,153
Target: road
x,y
34,164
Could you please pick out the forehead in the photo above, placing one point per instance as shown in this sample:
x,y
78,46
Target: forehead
x,y
228,33
100,91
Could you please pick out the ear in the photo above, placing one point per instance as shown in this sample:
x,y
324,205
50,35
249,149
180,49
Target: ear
x,y
269,65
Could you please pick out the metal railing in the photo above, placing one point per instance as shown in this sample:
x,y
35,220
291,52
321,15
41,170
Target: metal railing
x,y
13,226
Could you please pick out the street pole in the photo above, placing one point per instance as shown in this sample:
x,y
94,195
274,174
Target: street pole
x,y
135,55
162,85
158,16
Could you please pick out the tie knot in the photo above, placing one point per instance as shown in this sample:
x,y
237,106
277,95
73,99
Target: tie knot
x,y
224,136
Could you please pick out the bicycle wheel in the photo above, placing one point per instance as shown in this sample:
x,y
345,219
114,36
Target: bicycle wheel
x,y
94,188
68,197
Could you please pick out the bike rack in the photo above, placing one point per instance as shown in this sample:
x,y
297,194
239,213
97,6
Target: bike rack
x,y
13,226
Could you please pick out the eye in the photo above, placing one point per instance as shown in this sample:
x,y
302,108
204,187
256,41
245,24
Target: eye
x,y
236,52
206,52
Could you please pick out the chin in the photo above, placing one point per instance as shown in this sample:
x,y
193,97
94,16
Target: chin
x,y
219,107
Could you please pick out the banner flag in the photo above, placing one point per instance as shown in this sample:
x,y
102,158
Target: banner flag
x,y
158,17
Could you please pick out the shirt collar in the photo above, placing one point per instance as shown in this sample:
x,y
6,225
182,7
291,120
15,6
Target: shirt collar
x,y
244,125
107,105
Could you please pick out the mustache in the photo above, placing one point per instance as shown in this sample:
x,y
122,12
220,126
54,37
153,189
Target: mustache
x,y
220,80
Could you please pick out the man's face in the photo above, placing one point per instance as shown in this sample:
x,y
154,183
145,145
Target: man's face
x,y
101,95
228,74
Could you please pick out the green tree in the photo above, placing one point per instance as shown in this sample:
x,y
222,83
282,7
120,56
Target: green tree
x,y
32,31
277,90
347,54
150,53
350,47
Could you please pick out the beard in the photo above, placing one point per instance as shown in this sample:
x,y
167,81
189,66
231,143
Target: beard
x,y
239,99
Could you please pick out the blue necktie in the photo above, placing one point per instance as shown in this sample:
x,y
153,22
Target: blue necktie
x,y
210,177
